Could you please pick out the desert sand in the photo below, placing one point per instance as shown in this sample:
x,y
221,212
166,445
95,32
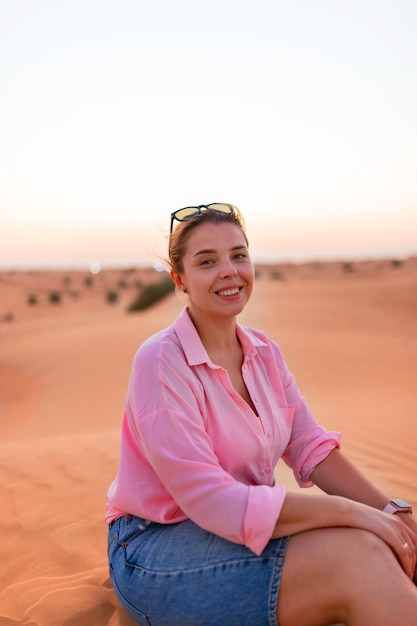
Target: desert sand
x,y
349,333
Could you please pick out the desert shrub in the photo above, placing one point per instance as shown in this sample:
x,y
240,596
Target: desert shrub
x,y
112,297
7,317
277,275
151,294
54,297
66,280
88,281
396,263
347,267
317,265
32,299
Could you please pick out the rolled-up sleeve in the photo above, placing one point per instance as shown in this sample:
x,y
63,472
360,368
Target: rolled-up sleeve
x,y
264,503
310,443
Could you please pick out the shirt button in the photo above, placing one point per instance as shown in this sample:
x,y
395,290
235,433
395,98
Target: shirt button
x,y
269,435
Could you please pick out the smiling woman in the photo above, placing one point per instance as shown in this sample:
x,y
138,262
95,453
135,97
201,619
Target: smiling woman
x,y
217,273
199,531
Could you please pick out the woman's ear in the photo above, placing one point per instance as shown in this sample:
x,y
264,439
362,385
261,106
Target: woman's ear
x,y
177,279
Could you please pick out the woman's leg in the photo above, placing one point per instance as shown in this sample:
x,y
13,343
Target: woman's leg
x,y
344,575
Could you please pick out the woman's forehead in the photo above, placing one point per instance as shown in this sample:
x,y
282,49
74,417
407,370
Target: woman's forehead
x,y
215,233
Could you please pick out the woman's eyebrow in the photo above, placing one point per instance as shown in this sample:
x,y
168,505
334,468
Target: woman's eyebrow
x,y
212,250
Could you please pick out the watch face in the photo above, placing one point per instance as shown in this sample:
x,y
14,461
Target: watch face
x,y
402,504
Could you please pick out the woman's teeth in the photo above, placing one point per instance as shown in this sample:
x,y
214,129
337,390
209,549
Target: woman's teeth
x,y
229,292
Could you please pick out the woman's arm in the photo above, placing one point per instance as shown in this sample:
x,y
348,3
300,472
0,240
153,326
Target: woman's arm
x,y
303,512
336,475
355,503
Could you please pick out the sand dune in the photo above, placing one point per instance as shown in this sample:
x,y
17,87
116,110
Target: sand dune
x,y
349,335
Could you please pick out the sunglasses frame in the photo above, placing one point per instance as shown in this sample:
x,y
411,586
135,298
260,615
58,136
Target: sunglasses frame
x,y
197,211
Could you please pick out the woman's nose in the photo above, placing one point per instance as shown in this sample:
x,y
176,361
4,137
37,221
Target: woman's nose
x,y
228,269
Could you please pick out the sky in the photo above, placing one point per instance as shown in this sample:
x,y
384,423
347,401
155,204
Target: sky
x,y
114,113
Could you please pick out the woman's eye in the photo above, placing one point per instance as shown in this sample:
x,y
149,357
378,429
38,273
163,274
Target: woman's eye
x,y
207,262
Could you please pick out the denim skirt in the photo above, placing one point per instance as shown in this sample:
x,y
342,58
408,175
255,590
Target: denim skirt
x,y
181,575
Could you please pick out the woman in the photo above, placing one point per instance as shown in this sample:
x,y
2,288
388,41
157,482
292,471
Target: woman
x,y
200,533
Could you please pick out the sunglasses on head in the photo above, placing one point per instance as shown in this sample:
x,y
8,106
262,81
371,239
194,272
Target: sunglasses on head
x,y
182,215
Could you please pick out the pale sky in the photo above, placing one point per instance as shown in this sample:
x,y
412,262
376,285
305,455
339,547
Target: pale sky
x,y
114,113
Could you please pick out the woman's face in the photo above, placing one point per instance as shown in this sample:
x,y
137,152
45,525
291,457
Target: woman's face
x,y
218,272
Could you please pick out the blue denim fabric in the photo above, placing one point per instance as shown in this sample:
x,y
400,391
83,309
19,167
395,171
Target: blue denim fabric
x,y
182,575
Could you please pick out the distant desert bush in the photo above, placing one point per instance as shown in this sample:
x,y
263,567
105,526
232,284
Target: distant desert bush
x,y
277,275
7,317
54,297
112,297
151,294
396,263
348,267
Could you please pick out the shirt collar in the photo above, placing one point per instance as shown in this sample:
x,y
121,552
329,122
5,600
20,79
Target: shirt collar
x,y
192,345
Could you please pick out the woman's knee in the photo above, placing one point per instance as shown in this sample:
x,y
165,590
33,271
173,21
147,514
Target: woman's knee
x,y
322,570
366,552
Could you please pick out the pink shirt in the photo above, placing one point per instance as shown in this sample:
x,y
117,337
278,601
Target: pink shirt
x,y
192,448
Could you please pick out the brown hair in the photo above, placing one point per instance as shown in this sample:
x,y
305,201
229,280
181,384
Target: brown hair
x,y
179,236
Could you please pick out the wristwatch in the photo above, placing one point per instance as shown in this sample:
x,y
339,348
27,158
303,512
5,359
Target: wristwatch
x,y
398,506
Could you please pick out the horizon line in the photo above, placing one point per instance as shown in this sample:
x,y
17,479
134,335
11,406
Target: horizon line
x,y
265,258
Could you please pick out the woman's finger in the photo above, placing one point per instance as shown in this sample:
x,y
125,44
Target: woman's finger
x,y
406,554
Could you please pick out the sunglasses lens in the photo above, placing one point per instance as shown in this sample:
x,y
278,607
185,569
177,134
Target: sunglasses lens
x,y
220,208
184,214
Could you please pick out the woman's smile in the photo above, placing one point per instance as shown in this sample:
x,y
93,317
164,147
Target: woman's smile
x,y
230,291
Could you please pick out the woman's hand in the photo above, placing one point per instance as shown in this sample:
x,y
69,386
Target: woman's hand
x,y
336,475
305,512
399,534
410,522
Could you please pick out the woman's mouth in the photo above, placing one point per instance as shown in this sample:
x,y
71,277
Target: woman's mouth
x,y
229,292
